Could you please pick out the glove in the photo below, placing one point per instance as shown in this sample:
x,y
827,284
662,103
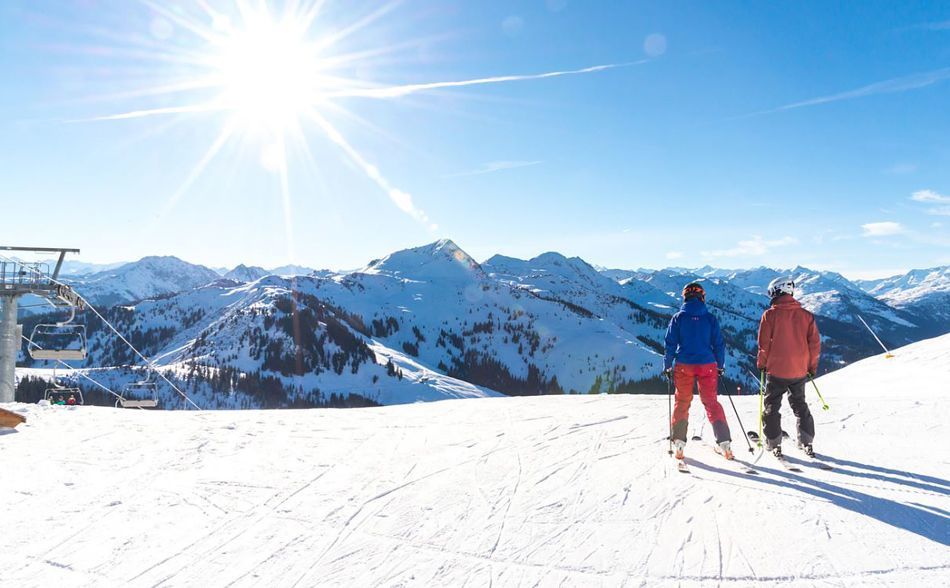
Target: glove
x,y
668,372
811,375
722,371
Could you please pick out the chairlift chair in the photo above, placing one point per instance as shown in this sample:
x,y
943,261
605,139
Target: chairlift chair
x,y
64,391
56,390
144,394
59,341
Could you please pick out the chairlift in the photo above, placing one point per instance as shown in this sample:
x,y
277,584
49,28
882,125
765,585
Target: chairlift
x,y
142,394
59,392
59,341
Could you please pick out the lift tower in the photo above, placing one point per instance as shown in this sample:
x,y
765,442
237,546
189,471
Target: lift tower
x,y
19,279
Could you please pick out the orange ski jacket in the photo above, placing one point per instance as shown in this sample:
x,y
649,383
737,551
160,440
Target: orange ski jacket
x,y
789,343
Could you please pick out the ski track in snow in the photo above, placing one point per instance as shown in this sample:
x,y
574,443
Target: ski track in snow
x,y
547,491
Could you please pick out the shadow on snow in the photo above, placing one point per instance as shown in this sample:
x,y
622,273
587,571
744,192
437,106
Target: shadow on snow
x,y
930,523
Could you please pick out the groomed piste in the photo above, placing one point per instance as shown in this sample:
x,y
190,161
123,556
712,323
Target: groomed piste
x,y
559,490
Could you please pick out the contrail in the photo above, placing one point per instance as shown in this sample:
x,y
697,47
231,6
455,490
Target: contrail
x,y
492,167
402,199
902,84
378,93
192,108
405,90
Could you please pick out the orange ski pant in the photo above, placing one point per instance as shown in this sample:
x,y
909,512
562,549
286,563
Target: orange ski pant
x,y
706,376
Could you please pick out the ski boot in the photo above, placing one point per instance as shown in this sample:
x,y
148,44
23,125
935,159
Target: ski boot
x,y
680,446
808,449
725,449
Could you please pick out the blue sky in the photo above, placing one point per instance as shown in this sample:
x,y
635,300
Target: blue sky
x,y
733,133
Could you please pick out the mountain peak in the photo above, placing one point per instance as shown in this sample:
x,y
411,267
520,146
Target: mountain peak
x,y
246,273
440,259
159,259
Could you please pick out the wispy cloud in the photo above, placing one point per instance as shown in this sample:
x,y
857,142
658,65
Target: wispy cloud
x,y
901,169
929,196
407,89
893,85
493,166
932,197
882,229
755,246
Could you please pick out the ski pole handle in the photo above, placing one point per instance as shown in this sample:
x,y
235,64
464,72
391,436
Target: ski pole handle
x,y
824,405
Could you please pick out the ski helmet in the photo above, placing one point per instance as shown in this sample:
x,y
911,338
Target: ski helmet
x,y
694,290
780,286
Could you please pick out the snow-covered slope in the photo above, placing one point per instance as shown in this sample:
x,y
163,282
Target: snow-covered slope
x,y
149,277
442,260
568,490
511,334
619,275
268,343
916,372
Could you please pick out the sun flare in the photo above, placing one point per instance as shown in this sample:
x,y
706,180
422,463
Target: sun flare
x,y
269,73
278,71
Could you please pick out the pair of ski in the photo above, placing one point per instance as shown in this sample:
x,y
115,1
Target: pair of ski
x,y
734,464
812,461
787,465
744,468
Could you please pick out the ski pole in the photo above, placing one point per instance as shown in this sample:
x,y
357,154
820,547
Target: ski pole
x,y
824,405
761,404
740,424
669,405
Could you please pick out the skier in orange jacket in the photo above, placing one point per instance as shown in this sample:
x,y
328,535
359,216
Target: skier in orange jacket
x,y
789,347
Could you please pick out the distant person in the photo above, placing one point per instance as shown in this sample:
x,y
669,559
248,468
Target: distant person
x,y
789,346
60,401
696,354
71,401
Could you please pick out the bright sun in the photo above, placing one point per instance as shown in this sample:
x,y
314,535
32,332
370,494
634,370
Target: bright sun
x,y
269,73
278,73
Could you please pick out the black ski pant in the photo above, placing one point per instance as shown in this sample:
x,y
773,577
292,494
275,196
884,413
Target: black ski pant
x,y
775,388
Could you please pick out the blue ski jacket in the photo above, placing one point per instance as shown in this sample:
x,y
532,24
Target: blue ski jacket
x,y
694,337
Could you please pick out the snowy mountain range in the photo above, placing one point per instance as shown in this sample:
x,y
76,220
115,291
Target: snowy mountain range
x,y
923,292
431,322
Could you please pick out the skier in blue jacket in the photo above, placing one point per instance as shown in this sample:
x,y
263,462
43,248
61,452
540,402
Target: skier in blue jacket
x,y
696,354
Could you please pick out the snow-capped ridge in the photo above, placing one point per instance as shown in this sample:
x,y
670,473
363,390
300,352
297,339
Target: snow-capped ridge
x,y
148,277
246,273
441,259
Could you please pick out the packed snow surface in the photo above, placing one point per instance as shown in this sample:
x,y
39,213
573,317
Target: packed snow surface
x,y
566,490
